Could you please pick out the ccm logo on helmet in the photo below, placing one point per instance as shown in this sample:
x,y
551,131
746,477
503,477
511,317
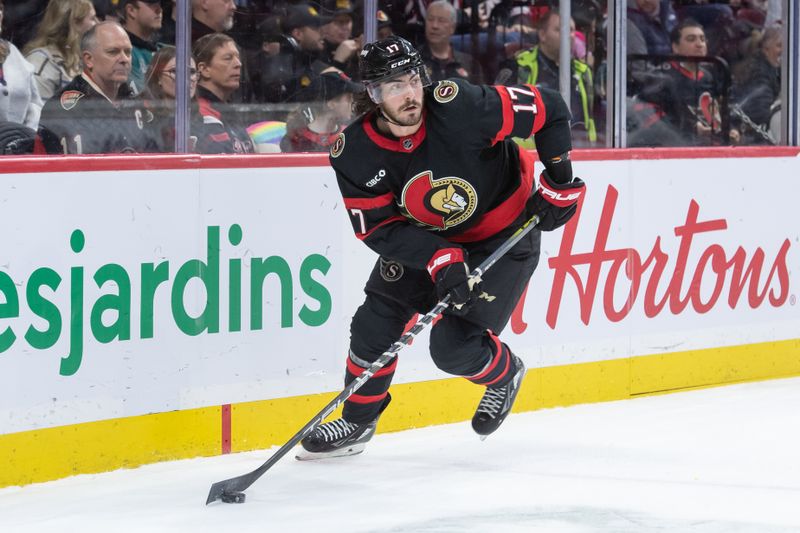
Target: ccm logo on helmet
x,y
400,63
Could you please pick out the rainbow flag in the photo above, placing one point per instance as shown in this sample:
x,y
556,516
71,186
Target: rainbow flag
x,y
267,132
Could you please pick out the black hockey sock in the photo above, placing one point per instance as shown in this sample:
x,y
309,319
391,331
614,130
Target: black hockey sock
x,y
372,397
499,369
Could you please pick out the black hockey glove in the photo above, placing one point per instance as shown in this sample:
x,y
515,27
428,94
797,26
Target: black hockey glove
x,y
450,273
555,203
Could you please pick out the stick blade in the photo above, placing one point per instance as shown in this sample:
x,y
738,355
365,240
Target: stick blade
x,y
237,484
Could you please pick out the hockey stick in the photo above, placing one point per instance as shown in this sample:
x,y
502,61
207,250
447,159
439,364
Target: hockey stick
x,y
230,490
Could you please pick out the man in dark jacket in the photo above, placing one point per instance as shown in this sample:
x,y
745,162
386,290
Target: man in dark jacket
x,y
444,61
94,113
283,76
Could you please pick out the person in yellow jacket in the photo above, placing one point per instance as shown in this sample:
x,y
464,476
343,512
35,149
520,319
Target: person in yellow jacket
x,y
539,66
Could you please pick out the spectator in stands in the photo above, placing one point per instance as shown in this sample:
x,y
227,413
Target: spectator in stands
x,y
315,126
341,50
161,74
159,98
758,83
19,97
211,16
539,66
167,34
55,51
654,19
142,20
282,76
686,92
715,17
220,69
94,113
441,59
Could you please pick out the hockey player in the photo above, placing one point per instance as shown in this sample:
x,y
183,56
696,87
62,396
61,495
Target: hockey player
x,y
432,182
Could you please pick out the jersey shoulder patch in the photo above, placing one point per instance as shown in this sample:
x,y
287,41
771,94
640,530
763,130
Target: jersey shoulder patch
x,y
338,146
445,91
69,99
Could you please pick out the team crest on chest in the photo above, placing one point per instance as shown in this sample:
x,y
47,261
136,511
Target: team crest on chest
x,y
338,146
438,204
445,91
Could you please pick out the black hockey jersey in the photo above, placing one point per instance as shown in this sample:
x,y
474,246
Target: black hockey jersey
x,y
84,121
458,179
687,97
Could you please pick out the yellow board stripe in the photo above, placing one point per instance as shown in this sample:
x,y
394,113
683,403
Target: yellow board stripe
x,y
53,453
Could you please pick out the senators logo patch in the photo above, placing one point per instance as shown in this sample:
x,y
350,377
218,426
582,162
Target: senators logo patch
x,y
391,270
338,146
69,99
438,204
445,91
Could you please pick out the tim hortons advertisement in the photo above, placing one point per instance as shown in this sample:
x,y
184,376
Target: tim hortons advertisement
x,y
126,293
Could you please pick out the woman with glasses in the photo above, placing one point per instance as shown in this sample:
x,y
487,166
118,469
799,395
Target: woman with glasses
x,y
159,97
55,52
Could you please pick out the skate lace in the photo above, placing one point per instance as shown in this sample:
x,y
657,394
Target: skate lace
x,y
336,429
492,401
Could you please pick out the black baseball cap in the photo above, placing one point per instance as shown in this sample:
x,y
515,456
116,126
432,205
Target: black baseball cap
x,y
383,19
339,7
301,15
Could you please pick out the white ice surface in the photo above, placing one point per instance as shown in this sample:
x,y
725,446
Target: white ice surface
x,y
721,460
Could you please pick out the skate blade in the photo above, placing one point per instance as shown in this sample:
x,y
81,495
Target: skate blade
x,y
482,437
305,455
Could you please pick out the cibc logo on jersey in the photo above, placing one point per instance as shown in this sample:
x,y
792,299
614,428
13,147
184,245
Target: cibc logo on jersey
x,y
438,204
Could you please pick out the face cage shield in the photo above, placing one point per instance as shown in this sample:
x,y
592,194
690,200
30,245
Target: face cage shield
x,y
392,86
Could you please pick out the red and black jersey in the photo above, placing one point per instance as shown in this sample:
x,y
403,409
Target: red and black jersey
x,y
220,132
459,179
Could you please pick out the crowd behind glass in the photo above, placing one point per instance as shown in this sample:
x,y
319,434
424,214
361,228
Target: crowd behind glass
x,y
83,76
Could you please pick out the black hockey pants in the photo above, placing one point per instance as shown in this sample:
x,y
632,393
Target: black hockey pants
x,y
464,346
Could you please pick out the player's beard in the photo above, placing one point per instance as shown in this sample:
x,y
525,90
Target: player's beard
x,y
405,119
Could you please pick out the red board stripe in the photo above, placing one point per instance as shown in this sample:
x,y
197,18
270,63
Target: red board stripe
x,y
84,163
226,428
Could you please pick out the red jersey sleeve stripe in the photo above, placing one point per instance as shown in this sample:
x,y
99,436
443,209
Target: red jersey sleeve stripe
x,y
362,236
508,115
369,203
541,112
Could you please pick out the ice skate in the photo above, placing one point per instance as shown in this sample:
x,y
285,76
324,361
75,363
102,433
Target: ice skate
x,y
336,439
497,402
